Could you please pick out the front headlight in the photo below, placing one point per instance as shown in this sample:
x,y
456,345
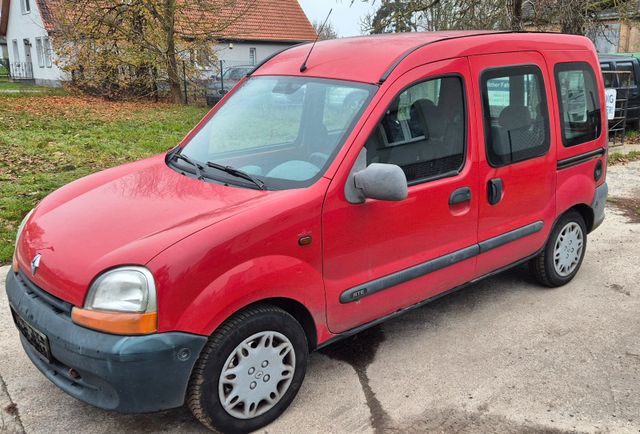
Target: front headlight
x,y
18,234
22,224
121,301
125,289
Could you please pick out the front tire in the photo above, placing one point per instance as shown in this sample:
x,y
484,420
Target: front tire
x,y
559,261
250,370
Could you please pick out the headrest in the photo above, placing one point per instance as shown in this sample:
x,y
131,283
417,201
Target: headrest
x,y
514,117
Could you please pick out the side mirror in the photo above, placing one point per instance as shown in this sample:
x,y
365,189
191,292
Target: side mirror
x,y
382,182
376,181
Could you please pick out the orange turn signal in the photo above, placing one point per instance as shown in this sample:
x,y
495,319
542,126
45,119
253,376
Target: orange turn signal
x,y
15,263
117,323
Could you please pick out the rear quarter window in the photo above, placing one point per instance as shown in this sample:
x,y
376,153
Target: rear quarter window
x,y
579,103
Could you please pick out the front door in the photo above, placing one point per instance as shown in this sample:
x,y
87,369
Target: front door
x,y
382,256
517,167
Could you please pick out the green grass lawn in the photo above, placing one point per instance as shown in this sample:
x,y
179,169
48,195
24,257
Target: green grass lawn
x,y
48,141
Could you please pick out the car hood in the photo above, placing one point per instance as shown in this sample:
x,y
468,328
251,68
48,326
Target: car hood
x,y
124,215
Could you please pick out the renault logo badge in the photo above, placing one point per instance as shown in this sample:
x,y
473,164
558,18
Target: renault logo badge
x,y
35,263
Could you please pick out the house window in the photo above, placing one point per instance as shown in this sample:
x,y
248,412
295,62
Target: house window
x,y
40,52
516,117
252,56
46,42
16,51
25,5
579,103
423,130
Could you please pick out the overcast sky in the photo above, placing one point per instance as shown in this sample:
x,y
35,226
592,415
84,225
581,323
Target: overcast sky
x,y
345,18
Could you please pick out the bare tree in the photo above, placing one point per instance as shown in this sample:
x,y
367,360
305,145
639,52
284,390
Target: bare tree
x,y
568,16
114,47
432,15
579,17
325,32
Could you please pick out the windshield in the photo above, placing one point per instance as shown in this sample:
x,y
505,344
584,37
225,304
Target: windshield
x,y
282,130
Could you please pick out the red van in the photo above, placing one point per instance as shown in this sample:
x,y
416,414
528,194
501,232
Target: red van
x,y
319,198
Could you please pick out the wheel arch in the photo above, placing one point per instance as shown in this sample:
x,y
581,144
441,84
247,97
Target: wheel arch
x,y
298,311
586,212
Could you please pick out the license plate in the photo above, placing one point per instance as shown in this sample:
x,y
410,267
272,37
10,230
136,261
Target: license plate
x,y
36,338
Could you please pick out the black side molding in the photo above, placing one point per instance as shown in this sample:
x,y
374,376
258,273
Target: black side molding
x,y
579,159
358,292
510,236
397,313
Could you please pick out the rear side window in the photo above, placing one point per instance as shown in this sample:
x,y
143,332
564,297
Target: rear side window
x,y
516,116
579,103
627,67
423,131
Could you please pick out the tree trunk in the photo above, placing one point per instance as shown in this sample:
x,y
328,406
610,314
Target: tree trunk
x,y
516,16
171,58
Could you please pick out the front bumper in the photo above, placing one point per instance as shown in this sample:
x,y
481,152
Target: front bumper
x,y
129,374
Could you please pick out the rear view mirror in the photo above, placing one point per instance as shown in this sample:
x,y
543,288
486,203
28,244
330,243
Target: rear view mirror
x,y
382,182
376,181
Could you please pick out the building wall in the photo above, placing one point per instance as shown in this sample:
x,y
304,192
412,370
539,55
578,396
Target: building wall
x,y
629,37
28,27
240,54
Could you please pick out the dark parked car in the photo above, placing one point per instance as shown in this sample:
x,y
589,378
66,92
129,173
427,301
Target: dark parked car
x,y
632,65
218,88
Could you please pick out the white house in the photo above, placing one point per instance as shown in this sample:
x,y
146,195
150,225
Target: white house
x,y
268,27
28,42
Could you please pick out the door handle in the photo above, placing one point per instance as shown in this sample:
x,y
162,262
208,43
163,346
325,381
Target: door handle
x,y
494,191
460,195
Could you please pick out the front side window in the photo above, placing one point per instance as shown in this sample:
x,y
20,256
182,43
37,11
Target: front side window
x,y
282,130
516,117
579,103
423,131
609,77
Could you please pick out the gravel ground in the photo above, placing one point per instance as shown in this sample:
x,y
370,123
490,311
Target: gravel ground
x,y
503,355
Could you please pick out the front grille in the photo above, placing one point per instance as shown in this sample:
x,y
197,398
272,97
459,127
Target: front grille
x,y
44,297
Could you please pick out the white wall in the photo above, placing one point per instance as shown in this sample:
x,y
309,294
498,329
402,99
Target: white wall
x,y
240,53
29,26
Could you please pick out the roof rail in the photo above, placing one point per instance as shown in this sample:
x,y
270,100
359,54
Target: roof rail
x,y
268,58
410,51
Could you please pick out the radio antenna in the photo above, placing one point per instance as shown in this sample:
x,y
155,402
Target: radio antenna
x,y
303,67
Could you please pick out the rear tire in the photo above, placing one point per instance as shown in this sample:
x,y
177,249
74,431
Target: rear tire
x,y
250,370
561,258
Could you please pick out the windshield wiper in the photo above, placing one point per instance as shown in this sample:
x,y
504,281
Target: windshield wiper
x,y
238,173
188,160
